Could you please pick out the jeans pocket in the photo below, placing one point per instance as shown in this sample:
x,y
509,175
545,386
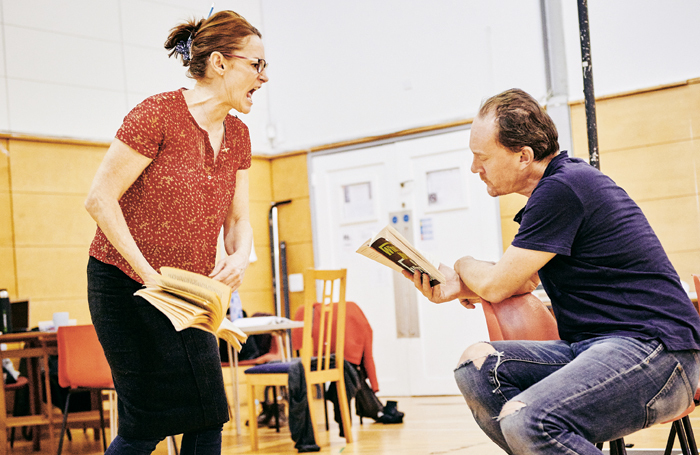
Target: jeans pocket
x,y
672,400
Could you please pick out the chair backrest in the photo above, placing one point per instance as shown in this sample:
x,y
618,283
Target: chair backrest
x,y
521,317
357,329
81,360
332,307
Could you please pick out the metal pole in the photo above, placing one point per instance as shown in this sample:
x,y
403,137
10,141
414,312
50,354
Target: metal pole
x,y
589,95
284,279
274,254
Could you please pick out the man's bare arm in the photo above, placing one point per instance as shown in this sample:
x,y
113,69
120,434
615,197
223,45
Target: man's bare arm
x,y
515,273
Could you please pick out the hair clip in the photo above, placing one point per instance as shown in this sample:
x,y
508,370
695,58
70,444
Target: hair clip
x,y
183,48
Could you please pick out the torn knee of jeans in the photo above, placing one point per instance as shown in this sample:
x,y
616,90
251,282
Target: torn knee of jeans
x,y
477,354
510,408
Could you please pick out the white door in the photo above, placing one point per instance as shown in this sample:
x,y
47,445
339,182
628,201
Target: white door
x,y
424,187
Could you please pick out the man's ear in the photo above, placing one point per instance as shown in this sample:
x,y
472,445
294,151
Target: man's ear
x,y
527,156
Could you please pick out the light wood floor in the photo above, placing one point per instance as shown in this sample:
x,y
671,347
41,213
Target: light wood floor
x,y
432,426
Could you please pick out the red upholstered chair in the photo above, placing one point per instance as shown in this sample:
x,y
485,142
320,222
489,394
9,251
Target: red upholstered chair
x,y
82,366
525,317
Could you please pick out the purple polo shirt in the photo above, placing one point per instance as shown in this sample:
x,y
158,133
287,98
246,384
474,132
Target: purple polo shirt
x,y
610,275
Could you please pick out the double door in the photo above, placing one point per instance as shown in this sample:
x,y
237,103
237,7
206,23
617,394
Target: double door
x,y
423,187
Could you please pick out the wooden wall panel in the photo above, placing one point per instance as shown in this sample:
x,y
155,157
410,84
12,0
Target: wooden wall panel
x,y
656,171
510,205
6,231
43,310
258,276
257,301
4,166
290,177
7,251
259,222
51,220
52,229
256,290
39,167
641,119
54,274
675,221
260,186
295,221
290,181
8,279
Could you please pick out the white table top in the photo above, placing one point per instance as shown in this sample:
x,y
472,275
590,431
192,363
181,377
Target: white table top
x,y
266,324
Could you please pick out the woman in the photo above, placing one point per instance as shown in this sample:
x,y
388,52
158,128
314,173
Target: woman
x,y
174,175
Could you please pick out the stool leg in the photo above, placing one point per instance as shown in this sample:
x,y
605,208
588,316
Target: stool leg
x,y
325,408
276,407
63,426
689,434
682,438
617,447
671,439
102,423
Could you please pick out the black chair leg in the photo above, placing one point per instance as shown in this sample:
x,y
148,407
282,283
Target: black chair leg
x,y
276,407
689,434
617,447
102,422
12,437
682,437
671,439
63,426
325,408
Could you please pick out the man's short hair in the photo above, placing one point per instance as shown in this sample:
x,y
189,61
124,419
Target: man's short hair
x,y
520,122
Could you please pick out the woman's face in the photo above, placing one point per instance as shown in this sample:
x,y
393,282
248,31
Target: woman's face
x,y
242,79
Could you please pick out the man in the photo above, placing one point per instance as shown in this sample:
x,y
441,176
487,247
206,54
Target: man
x,y
628,355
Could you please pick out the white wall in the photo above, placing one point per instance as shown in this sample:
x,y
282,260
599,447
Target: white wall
x,y
342,70
339,70
74,68
634,44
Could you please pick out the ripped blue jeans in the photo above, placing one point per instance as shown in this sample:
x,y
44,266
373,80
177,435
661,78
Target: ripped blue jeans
x,y
565,397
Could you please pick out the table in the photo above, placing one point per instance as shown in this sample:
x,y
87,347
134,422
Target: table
x,y
254,326
36,347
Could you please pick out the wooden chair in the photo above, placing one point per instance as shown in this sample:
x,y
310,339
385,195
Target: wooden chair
x,y
21,383
525,317
82,366
276,374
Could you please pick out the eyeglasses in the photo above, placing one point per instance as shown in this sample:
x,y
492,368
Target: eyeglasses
x,y
259,65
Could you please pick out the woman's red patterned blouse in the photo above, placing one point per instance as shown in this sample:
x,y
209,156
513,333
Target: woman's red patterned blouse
x,y
177,206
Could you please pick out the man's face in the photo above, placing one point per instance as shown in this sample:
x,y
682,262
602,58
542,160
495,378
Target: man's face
x,y
497,166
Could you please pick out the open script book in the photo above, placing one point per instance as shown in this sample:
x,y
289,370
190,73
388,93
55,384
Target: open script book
x,y
391,249
192,300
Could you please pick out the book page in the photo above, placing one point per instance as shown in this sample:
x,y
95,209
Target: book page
x,y
182,316
200,285
232,334
367,250
201,281
390,248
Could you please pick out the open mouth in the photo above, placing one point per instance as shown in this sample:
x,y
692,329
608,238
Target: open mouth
x,y
250,95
